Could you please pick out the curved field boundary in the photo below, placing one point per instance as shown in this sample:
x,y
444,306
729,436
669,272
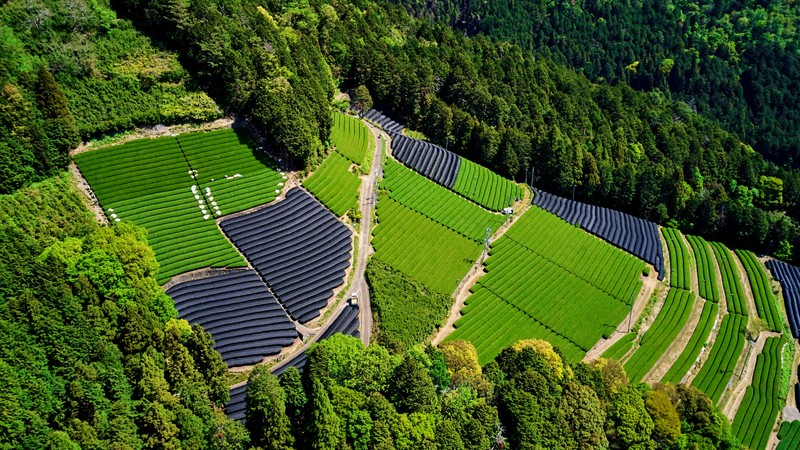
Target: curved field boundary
x,y
620,348
766,306
662,332
298,247
334,184
430,160
680,264
351,137
422,248
232,172
706,276
148,183
699,339
759,409
245,320
589,258
636,236
570,298
715,374
789,278
789,436
438,203
485,187
345,323
734,292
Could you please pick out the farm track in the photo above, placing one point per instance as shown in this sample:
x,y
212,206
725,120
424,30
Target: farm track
x,y
736,395
677,346
90,200
649,285
476,272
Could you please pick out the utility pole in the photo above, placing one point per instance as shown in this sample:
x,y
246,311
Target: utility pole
x,y
486,244
573,192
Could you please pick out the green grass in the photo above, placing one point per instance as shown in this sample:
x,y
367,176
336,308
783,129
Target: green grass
x,y
680,263
406,311
717,371
620,348
571,298
422,248
148,183
766,306
242,177
789,435
662,332
759,408
706,272
699,339
334,184
415,135
734,293
351,137
485,187
437,203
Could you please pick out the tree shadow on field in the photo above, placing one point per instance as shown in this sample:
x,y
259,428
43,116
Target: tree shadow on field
x,y
245,138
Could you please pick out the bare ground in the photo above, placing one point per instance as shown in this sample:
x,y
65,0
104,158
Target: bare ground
x,y
89,199
678,345
476,272
694,283
158,131
743,376
649,285
746,288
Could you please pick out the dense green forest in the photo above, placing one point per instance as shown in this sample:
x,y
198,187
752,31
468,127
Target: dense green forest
x,y
73,70
492,102
91,353
736,62
356,397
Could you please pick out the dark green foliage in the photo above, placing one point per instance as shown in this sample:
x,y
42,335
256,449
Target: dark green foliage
x,y
266,411
89,354
406,310
412,389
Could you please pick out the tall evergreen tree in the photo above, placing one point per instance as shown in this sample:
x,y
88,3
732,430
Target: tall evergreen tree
x,y
266,411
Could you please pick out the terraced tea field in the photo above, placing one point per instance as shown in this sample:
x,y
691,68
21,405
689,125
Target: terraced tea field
x,y
335,184
422,248
568,297
485,187
148,182
437,203
351,138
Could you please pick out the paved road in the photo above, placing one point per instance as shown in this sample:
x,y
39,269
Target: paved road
x,y
367,196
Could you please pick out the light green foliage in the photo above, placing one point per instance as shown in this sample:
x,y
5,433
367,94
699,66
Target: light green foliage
x,y
679,260
335,184
535,289
706,271
628,413
421,248
148,182
351,137
485,187
734,293
766,305
700,335
242,176
762,402
436,202
717,371
620,348
662,332
405,309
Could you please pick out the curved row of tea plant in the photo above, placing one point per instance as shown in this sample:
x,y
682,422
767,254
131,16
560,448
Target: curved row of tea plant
x,y
680,264
706,272
766,306
699,339
334,184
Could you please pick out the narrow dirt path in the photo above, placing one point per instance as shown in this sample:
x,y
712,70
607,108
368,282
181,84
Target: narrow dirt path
x,y
746,288
476,272
694,276
649,285
678,345
89,199
740,381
